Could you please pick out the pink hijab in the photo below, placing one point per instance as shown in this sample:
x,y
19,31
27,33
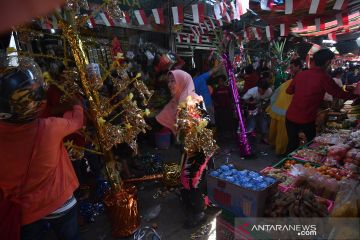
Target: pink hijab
x,y
184,87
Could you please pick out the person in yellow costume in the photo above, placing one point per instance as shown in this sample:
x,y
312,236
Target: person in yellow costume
x,y
279,104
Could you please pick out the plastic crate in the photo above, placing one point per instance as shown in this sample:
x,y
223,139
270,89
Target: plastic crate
x,y
239,201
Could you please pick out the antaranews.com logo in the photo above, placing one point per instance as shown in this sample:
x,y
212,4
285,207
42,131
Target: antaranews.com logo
x,y
301,230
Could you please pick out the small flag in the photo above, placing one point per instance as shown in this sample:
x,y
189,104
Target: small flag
x,y
207,26
289,6
126,19
269,33
234,12
241,7
158,16
219,22
338,4
284,31
257,33
91,22
141,17
342,20
108,21
320,26
227,17
332,36
212,23
194,30
217,11
317,6
198,12
178,14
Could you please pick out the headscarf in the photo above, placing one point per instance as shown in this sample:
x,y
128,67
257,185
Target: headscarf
x,y
184,87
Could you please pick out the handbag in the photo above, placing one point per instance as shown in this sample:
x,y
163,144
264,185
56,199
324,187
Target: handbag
x,y
10,209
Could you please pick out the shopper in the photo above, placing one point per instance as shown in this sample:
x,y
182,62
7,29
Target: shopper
x,y
280,102
308,89
181,86
36,170
257,100
251,78
202,89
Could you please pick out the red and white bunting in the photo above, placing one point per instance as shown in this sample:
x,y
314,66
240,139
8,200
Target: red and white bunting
x,y
212,25
338,4
301,25
158,15
180,38
141,17
317,6
234,12
342,20
257,33
319,24
332,36
219,22
91,22
194,30
217,11
126,19
265,5
178,14
241,7
223,8
289,6
207,26
269,33
108,21
284,30
227,17
198,12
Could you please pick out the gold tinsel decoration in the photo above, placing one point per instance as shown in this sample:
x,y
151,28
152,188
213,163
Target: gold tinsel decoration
x,y
191,127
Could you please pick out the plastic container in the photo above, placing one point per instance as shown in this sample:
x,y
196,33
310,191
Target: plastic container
x,y
240,201
163,139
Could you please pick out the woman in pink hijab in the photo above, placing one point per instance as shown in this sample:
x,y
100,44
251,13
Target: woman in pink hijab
x,y
181,86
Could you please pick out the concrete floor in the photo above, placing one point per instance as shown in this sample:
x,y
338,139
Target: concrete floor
x,y
171,216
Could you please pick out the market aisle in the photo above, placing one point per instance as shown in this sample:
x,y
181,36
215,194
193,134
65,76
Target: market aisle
x,y
171,217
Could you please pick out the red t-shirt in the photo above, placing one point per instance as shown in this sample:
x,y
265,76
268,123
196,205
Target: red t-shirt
x,y
308,89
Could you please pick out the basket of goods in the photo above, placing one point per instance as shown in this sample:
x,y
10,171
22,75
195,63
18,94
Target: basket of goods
x,y
309,155
297,202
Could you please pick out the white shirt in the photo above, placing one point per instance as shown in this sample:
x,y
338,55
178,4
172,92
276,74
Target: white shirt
x,y
327,96
254,93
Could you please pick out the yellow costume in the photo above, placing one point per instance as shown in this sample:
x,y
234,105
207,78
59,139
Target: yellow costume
x,y
280,102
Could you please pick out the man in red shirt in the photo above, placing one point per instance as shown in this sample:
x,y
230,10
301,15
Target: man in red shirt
x,y
308,89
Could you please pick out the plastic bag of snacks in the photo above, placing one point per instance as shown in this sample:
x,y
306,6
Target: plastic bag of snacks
x,y
347,201
336,154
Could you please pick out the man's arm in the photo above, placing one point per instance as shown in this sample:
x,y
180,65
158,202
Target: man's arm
x,y
333,89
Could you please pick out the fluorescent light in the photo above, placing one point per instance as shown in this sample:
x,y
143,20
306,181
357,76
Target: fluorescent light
x,y
52,30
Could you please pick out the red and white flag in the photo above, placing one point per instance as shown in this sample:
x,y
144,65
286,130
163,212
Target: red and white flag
x,y
265,5
338,4
269,33
284,30
289,6
141,17
223,8
234,12
241,7
200,29
126,19
207,26
194,30
219,22
319,24
317,6
257,33
212,25
342,20
107,19
217,11
227,17
301,25
91,22
198,12
332,36
180,38
178,14
158,15
198,39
